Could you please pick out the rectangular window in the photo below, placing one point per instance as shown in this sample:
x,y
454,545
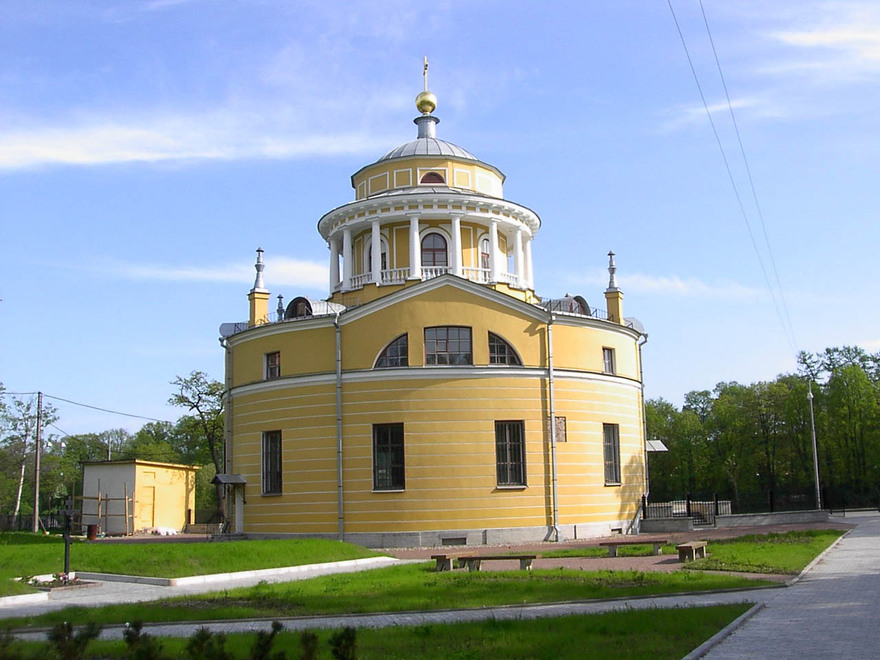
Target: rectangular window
x,y
388,457
273,365
612,453
272,463
609,361
450,345
510,453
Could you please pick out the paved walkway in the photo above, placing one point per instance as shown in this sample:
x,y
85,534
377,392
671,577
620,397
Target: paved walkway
x,y
829,613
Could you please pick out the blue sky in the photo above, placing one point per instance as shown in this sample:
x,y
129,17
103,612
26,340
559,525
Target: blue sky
x,y
148,147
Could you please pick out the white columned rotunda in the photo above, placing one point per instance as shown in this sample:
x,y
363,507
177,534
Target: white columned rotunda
x,y
423,210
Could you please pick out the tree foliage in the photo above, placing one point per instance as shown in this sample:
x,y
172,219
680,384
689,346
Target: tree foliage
x,y
752,444
203,398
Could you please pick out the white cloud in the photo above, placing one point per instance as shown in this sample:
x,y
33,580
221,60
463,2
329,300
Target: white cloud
x,y
673,285
842,44
280,271
685,116
212,137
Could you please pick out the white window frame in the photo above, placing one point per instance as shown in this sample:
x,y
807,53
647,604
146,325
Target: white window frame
x,y
609,360
611,453
267,479
268,373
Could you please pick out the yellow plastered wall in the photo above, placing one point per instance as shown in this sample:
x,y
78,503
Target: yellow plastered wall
x,y
583,351
448,423
407,172
303,351
450,456
363,339
164,494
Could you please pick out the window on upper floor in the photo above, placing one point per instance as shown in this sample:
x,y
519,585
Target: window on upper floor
x,y
432,177
272,365
611,445
484,254
510,453
448,345
501,352
272,463
434,250
395,354
388,457
609,361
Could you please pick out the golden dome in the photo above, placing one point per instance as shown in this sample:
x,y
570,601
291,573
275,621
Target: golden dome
x,y
426,102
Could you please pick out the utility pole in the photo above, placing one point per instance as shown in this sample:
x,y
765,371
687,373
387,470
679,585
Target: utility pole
x,y
815,453
38,442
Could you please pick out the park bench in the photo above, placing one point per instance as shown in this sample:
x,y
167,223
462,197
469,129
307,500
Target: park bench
x,y
691,550
613,545
444,562
473,561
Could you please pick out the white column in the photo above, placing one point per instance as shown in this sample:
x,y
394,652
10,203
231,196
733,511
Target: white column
x,y
346,259
334,263
494,256
456,245
376,253
519,258
530,273
415,249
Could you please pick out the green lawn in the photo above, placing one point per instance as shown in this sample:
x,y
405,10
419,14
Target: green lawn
x,y
648,634
24,554
399,588
786,554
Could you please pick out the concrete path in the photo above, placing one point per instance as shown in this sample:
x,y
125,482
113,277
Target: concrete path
x,y
832,612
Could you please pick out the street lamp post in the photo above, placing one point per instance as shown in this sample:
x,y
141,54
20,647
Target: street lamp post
x,y
815,453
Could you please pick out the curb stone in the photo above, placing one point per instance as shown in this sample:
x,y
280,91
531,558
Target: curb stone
x,y
724,633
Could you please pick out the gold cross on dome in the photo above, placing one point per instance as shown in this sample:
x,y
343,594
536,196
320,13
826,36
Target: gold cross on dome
x,y
426,73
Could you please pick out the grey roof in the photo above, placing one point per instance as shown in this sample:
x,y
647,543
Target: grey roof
x,y
428,146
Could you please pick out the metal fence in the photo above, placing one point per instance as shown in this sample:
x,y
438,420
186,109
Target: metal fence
x,y
702,512
24,522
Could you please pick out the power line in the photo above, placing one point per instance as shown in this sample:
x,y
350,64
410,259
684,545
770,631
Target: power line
x,y
773,296
86,405
742,151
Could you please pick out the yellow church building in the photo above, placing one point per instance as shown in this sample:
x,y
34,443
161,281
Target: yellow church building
x,y
433,398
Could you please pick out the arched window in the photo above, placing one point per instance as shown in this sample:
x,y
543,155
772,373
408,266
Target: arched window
x,y
501,352
395,354
432,177
434,250
484,254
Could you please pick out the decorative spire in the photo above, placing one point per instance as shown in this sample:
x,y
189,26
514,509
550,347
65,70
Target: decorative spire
x,y
426,102
612,272
260,266
280,309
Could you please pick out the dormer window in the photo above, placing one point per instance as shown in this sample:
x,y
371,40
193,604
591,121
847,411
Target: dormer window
x,y
432,177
